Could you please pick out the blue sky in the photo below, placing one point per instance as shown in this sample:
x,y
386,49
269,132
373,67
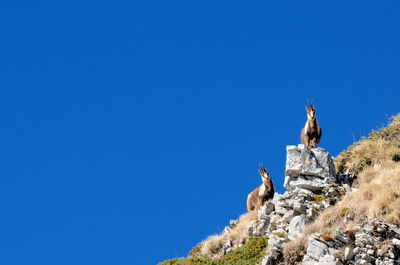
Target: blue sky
x,y
131,130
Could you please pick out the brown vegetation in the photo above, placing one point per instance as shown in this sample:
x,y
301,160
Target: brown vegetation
x,y
213,244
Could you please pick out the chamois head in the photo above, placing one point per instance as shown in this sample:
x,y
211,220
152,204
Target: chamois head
x,y
310,108
264,173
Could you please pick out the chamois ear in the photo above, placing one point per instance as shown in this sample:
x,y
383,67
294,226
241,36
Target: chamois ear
x,y
306,108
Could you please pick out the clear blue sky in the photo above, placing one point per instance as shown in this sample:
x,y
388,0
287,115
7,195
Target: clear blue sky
x,y
131,130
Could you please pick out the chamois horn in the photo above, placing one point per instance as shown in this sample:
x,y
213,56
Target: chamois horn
x,y
310,105
262,168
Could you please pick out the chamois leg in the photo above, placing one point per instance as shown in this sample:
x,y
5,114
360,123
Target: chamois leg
x,y
314,143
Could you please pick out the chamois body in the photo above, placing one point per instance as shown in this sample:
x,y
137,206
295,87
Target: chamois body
x,y
311,133
262,193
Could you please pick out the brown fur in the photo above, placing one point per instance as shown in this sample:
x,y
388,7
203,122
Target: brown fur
x,y
262,193
311,133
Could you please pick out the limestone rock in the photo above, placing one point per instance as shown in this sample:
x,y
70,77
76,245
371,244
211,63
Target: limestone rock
x,y
296,226
311,183
265,210
276,241
316,249
329,260
348,253
274,257
301,161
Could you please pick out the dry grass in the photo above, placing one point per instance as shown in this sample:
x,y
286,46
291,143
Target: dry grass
x,y
370,152
294,251
211,246
381,145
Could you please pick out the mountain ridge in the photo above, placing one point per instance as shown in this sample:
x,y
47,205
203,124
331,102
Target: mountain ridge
x,y
341,211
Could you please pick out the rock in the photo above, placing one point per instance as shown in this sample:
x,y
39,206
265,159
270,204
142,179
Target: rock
x,y
275,220
307,260
278,198
329,260
316,249
357,250
265,210
332,192
226,247
311,162
258,227
311,213
296,226
348,253
342,236
275,241
288,216
363,239
303,193
280,209
368,228
325,204
250,227
333,251
299,207
226,231
313,184
274,257
362,262
233,223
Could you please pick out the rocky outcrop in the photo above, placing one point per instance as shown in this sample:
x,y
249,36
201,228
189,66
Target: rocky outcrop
x,y
312,187
373,242
308,168
311,184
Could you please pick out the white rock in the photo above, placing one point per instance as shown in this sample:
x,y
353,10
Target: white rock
x,y
226,231
313,184
316,249
280,209
265,210
288,216
362,262
307,260
329,260
296,226
396,242
260,227
312,162
250,227
303,192
348,253
311,213
275,241
299,207
341,236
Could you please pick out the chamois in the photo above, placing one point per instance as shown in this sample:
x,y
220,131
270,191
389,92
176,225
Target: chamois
x,y
262,193
311,133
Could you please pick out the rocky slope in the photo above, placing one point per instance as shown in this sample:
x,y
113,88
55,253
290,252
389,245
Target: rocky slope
x,y
324,217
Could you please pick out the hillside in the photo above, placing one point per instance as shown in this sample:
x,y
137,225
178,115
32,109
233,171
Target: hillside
x,y
335,211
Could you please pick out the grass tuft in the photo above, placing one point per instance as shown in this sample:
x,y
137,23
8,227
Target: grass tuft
x,y
211,245
251,253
